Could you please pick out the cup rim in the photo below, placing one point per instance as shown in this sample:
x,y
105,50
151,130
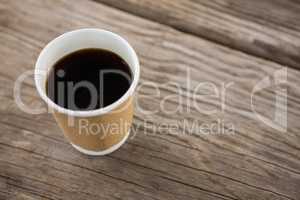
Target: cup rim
x,y
96,112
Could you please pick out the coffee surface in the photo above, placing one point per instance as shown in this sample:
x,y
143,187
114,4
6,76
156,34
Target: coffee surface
x,y
88,79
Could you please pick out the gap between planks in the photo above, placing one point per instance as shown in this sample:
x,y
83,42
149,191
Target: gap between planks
x,y
259,48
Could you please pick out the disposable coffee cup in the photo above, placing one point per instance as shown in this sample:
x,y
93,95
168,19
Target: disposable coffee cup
x,y
92,132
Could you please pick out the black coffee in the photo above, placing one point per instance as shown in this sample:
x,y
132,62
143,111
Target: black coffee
x,y
88,79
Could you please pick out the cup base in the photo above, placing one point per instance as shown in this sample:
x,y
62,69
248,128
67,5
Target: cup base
x,y
104,152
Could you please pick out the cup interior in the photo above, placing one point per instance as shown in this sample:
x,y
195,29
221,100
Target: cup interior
x,y
82,39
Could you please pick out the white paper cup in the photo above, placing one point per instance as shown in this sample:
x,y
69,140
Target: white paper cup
x,y
119,113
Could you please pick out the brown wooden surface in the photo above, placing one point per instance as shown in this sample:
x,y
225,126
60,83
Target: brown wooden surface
x,y
265,28
258,162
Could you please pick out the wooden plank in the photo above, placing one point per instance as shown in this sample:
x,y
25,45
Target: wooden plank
x,y
264,28
257,162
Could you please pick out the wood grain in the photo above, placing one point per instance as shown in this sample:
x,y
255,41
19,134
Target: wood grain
x,y
257,162
264,28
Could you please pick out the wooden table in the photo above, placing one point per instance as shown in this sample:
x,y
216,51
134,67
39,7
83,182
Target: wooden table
x,y
223,43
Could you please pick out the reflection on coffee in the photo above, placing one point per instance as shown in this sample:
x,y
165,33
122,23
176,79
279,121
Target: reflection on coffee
x,y
88,79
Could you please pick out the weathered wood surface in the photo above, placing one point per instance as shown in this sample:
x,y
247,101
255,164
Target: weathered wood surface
x,y
36,162
266,28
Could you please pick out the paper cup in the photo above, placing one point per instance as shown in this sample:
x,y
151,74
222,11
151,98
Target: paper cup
x,y
93,132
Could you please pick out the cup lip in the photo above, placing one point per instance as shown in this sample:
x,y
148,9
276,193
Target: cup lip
x,y
96,112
